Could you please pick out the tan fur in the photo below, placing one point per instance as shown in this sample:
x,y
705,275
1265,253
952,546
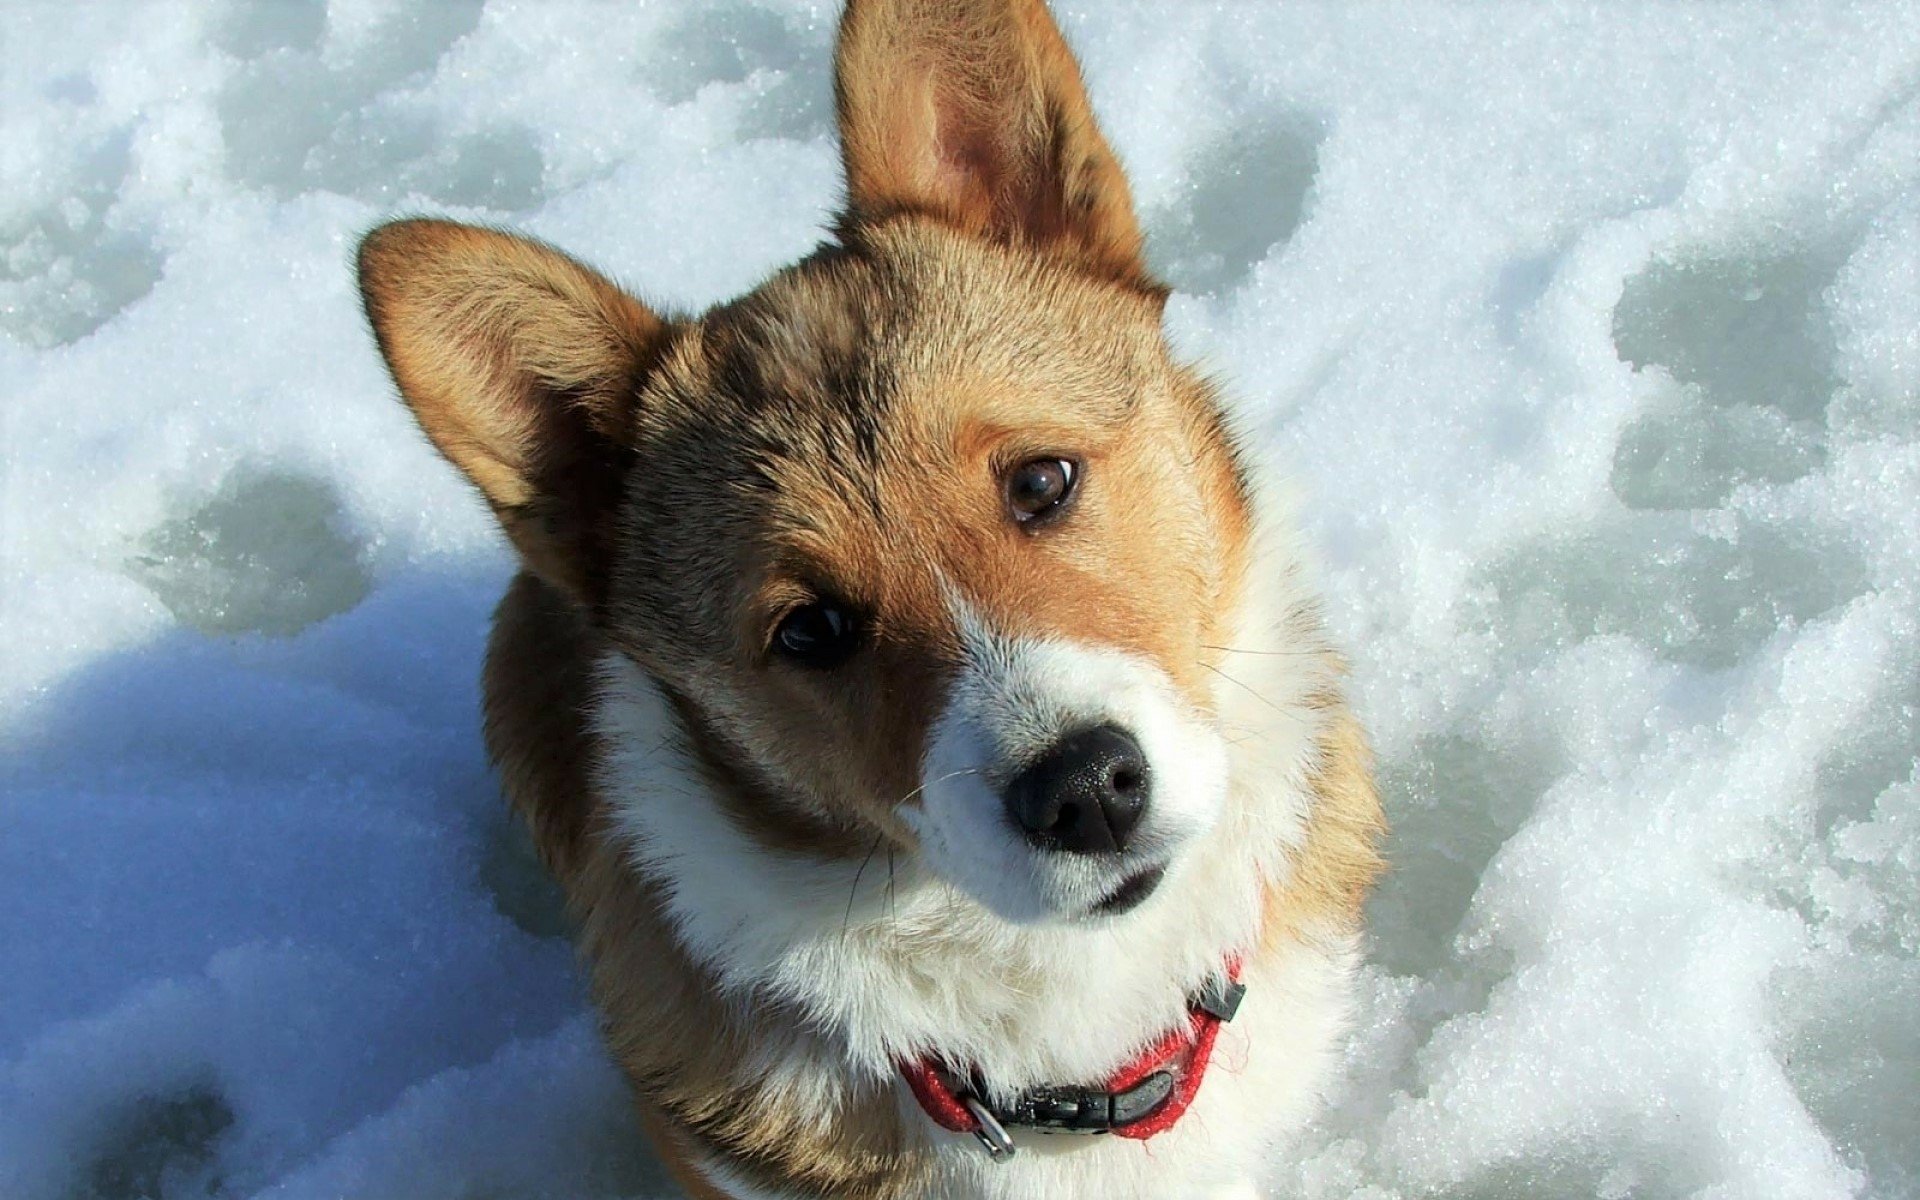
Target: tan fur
x,y
680,1162
842,432
1337,866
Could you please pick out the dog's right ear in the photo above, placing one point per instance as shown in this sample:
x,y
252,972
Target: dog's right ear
x,y
974,112
524,368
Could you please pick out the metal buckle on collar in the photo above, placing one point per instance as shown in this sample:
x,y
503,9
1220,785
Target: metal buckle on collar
x,y
1066,1110
991,1134
1221,997
1089,1110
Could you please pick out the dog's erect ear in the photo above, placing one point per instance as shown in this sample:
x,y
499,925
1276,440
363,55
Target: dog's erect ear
x,y
974,111
523,367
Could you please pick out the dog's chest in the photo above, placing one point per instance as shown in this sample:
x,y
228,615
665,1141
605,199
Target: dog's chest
x,y
1266,1064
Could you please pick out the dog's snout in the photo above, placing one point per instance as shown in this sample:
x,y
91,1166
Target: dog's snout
x,y
1085,795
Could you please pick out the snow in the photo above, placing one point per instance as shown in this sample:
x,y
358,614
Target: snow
x,y
1592,334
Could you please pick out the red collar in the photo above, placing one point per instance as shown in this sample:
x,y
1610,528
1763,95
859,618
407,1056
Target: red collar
x,y
1144,1097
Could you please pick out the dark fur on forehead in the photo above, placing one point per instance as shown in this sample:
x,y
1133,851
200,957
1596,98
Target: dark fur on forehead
x,y
784,379
797,359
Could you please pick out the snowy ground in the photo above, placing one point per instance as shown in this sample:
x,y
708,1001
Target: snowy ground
x,y
1593,335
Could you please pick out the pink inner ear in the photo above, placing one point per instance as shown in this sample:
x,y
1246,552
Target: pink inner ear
x,y
977,163
965,163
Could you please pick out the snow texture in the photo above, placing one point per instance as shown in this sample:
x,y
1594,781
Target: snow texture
x,y
1592,335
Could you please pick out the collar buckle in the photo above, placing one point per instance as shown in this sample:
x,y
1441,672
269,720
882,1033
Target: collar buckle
x,y
1221,997
990,1133
1141,1100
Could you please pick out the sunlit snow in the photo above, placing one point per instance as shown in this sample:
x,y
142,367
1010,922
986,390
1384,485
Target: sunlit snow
x,y
1591,334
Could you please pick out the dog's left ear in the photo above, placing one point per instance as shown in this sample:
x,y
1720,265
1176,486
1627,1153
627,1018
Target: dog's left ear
x,y
525,369
973,111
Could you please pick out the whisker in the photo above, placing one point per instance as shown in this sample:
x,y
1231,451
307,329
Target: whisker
x,y
1263,653
893,912
1293,716
846,922
853,893
929,783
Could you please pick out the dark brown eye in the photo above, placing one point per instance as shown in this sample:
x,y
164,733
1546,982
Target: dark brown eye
x,y
1038,487
821,634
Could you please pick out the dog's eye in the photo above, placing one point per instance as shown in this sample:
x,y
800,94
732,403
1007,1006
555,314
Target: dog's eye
x,y
821,634
1038,488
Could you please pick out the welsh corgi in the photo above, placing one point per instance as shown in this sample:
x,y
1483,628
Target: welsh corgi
x,y
911,679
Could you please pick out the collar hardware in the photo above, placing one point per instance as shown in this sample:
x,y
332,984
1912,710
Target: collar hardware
x,y
990,1133
1087,1110
1221,997
1145,1097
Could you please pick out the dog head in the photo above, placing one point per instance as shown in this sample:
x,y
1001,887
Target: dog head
x,y
925,540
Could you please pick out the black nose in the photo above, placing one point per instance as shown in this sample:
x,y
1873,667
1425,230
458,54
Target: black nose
x,y
1085,794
